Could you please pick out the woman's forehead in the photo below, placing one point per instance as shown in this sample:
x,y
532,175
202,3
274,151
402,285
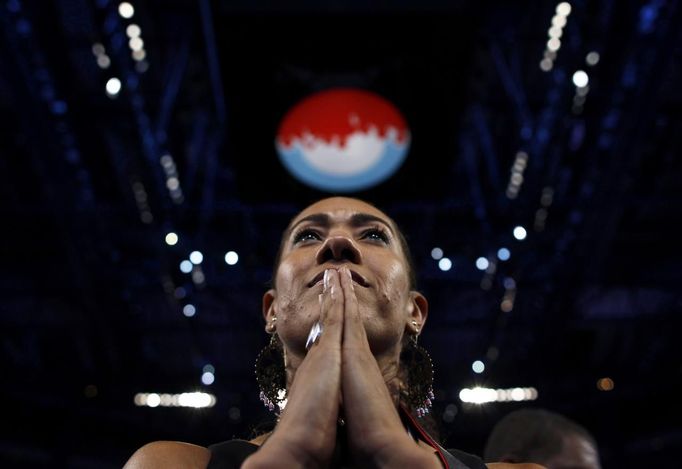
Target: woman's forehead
x,y
340,206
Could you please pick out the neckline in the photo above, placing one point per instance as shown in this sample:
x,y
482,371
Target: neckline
x,y
411,422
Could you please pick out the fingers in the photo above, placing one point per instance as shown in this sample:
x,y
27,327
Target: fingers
x,y
365,393
353,329
331,309
339,312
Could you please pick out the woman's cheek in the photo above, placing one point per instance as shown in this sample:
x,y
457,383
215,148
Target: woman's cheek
x,y
395,287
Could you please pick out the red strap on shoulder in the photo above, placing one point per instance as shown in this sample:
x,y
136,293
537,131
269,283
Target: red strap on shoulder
x,y
424,435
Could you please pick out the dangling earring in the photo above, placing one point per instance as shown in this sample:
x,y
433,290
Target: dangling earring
x,y
270,373
419,391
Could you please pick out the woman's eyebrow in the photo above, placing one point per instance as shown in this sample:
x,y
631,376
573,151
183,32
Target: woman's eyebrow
x,y
357,219
360,219
317,219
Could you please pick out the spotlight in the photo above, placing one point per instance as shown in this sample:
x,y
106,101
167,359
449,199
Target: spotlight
x,y
126,10
559,21
605,384
153,400
506,305
503,254
186,399
231,258
563,9
136,43
113,86
555,31
172,183
185,266
97,49
103,61
580,79
207,378
480,395
198,277
592,58
520,233
482,263
133,30
171,239
167,162
196,257
478,366
554,44
189,310
138,54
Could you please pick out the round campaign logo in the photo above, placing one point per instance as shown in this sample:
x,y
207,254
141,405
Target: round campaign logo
x,y
343,140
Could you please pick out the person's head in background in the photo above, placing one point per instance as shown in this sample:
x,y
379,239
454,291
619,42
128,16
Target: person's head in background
x,y
542,437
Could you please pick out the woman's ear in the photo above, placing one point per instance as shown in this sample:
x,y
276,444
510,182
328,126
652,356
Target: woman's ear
x,y
269,309
418,310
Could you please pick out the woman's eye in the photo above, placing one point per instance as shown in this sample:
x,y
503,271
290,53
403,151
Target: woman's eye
x,y
376,234
306,235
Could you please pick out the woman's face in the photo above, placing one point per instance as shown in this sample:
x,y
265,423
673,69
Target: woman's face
x,y
329,234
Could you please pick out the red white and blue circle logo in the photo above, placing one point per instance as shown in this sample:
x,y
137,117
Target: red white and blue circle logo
x,y
343,140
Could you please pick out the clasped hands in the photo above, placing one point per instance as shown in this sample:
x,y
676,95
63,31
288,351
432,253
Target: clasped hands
x,y
340,371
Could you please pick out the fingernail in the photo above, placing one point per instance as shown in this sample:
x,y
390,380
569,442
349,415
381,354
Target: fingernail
x,y
350,279
325,279
314,335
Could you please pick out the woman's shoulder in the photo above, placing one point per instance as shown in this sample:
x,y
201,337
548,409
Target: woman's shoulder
x,y
169,454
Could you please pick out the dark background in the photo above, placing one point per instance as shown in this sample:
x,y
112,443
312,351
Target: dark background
x,y
90,311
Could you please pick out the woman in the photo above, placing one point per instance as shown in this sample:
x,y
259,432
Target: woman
x,y
344,307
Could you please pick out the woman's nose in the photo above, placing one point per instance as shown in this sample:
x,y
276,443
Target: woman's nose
x,y
339,248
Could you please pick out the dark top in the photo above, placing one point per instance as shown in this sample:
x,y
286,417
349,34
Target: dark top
x,y
231,454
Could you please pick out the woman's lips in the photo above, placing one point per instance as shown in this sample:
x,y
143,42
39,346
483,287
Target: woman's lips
x,y
356,277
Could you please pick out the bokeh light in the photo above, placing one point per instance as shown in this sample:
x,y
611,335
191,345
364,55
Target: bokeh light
x,y
231,258
189,310
580,79
605,384
503,254
126,10
592,58
186,266
520,233
196,257
171,239
113,86
207,378
133,30
563,9
478,366
482,263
